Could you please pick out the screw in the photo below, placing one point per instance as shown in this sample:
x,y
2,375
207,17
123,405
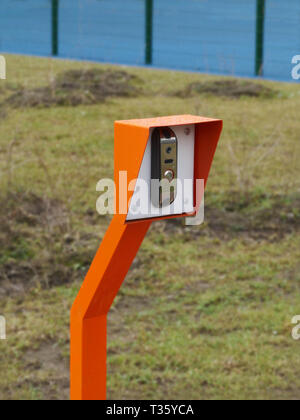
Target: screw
x,y
187,131
169,175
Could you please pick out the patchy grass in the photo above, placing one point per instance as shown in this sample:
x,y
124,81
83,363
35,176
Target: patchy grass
x,y
230,88
205,312
77,87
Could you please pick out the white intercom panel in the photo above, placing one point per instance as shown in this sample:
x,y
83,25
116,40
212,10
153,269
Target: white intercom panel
x,y
169,156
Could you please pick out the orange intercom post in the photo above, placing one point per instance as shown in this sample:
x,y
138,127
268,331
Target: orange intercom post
x,y
119,248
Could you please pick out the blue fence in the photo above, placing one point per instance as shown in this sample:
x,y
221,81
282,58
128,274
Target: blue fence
x,y
206,35
104,30
213,36
282,37
25,26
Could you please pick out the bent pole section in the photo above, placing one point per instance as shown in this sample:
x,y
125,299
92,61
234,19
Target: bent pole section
x,y
89,312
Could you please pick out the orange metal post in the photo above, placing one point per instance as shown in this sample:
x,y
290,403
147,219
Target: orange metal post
x,y
88,322
119,248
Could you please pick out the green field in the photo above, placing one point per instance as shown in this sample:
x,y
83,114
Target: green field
x,y
205,312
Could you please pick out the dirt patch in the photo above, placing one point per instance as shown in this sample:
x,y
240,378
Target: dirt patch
x,y
132,304
236,217
3,113
33,210
77,87
49,360
33,231
47,357
121,335
228,88
15,279
5,92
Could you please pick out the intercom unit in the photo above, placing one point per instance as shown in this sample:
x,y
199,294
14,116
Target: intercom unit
x,y
178,150
165,184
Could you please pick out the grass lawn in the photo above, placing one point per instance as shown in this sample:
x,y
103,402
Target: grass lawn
x,y
213,322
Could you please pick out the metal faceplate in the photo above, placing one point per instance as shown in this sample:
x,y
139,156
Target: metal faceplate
x,y
164,157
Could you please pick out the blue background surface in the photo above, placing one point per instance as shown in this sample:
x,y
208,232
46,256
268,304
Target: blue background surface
x,y
25,26
205,35
282,37
104,30
213,36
